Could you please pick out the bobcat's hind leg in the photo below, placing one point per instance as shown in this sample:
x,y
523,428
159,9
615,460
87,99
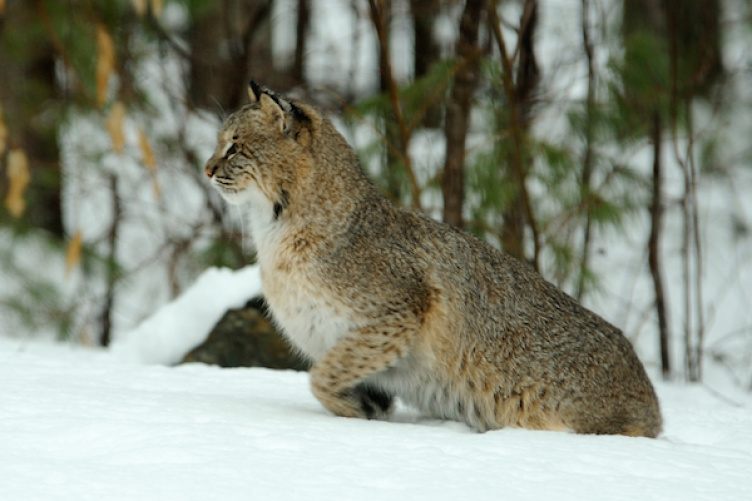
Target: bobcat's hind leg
x,y
337,379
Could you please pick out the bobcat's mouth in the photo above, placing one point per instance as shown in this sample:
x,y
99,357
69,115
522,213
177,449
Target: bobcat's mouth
x,y
229,191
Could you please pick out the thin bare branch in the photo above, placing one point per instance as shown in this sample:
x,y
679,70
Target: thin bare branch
x,y
587,162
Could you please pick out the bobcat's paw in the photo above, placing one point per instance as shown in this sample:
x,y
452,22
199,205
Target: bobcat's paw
x,y
375,404
361,402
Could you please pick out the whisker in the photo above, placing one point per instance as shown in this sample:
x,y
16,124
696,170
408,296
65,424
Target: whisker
x,y
219,109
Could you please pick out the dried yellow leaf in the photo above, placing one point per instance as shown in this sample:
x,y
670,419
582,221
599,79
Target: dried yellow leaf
x,y
73,252
18,177
115,126
105,62
156,8
149,160
146,152
139,6
3,130
2,7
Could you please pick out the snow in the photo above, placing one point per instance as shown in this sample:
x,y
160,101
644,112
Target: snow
x,y
177,327
78,423
81,423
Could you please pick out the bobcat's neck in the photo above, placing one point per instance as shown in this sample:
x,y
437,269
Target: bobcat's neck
x,y
335,186
319,206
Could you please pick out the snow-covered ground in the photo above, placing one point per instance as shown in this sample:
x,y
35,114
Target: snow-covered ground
x,y
79,423
76,423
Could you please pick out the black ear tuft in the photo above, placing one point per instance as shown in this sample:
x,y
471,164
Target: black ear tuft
x,y
298,114
254,91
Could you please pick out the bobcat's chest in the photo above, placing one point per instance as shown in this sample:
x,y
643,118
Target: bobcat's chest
x,y
309,315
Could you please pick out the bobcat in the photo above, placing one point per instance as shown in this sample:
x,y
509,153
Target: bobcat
x,y
388,303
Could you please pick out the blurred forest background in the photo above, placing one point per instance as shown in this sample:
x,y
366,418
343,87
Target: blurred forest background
x,y
604,142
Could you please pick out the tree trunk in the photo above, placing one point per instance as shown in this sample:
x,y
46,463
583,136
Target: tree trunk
x,y
303,22
112,240
654,246
426,52
458,111
380,12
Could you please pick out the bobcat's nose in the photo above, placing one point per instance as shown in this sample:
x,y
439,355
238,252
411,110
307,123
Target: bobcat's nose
x,y
210,169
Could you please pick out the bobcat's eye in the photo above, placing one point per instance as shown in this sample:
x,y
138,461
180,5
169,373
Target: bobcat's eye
x,y
232,150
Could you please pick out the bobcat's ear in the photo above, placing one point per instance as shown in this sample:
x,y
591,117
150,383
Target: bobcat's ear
x,y
285,115
274,112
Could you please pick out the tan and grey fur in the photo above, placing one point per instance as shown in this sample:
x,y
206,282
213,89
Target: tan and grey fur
x,y
388,303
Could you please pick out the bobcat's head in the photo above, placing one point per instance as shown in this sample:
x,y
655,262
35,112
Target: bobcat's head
x,y
262,150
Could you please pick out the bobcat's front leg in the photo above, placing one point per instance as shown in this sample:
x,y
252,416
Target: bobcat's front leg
x,y
337,379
